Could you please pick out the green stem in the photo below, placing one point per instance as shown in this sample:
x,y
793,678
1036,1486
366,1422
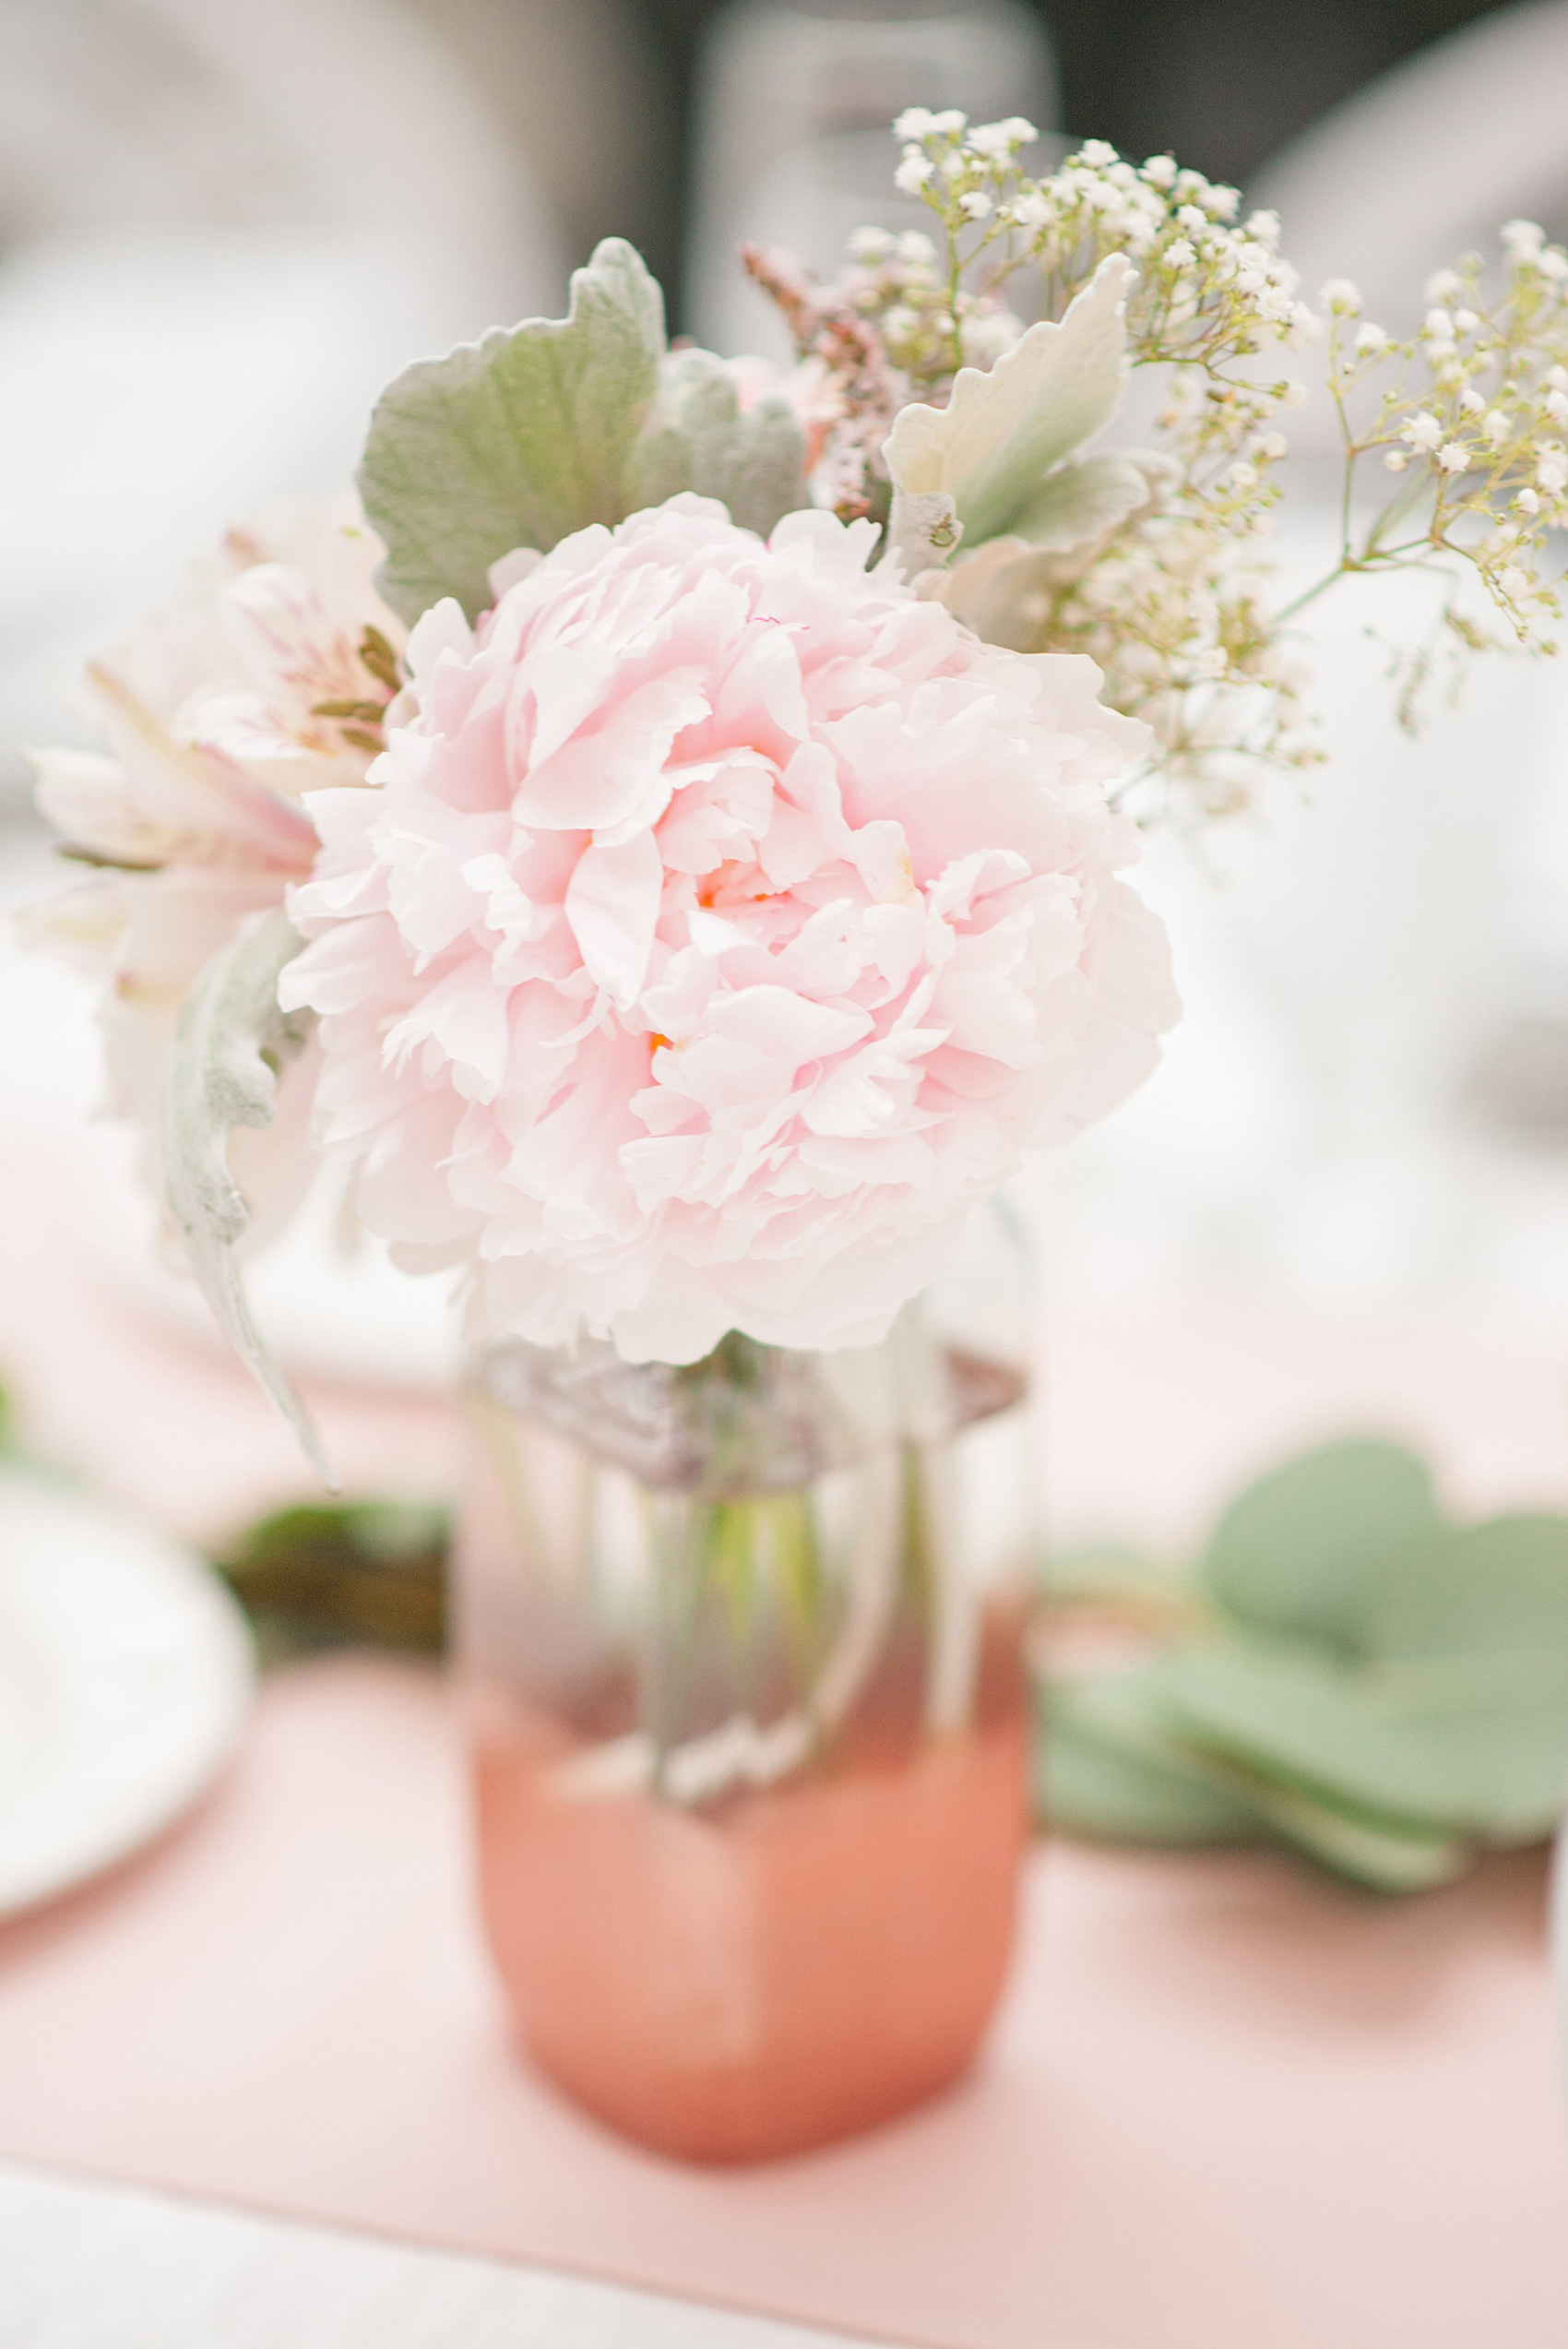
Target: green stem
x,y
731,1570
1309,595
954,289
674,1633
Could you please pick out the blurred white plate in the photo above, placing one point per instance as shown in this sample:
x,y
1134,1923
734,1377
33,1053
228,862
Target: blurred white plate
x,y
126,1675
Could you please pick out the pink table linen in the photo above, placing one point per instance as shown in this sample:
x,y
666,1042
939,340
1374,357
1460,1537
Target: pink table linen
x,y
1229,2105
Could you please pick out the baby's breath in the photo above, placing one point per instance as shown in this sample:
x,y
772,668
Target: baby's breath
x,y
1467,420
1174,605
1470,414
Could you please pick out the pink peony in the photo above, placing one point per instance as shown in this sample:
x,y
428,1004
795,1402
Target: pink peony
x,y
725,922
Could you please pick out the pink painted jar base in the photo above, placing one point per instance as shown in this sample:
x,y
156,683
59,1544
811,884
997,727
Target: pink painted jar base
x,y
774,1971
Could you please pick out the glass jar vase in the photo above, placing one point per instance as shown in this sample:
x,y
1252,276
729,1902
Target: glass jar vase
x,y
741,1646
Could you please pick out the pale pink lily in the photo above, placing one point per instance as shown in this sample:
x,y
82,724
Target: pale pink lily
x,y
268,676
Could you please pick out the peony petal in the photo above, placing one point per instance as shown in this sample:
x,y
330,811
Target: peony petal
x,y
604,775
440,634
796,902
612,907
463,1018
785,1025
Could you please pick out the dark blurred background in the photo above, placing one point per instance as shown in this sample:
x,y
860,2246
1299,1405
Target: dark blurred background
x,y
1222,84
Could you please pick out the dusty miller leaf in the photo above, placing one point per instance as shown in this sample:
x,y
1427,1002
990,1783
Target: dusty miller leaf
x,y
514,441
1079,504
922,530
1005,430
696,438
232,1042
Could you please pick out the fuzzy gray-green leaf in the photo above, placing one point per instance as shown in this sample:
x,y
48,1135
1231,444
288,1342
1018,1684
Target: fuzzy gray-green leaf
x,y
1080,503
514,441
232,1045
1003,430
696,438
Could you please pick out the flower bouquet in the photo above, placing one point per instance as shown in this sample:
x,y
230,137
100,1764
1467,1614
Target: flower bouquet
x,y
666,840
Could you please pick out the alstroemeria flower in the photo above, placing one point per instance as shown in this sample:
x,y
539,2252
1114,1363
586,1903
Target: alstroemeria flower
x,y
269,675
727,920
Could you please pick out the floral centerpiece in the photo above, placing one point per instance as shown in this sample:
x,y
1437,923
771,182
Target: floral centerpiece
x,y
668,839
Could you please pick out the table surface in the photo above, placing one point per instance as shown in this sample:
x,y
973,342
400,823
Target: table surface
x,y
85,2265
1229,2105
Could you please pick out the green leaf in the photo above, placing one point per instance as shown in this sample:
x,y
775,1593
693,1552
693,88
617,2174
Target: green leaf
x,y
1380,1688
1313,1550
1003,431
698,439
1377,1854
1106,1769
231,1043
514,441
1450,1745
371,1571
1480,1590
1078,504
1110,1768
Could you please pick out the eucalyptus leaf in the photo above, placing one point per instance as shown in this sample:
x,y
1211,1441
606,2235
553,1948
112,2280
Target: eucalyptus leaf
x,y
1480,1590
232,1043
1313,1550
1385,1857
1383,1689
1005,430
514,441
1466,1749
1106,1768
1110,1768
696,438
